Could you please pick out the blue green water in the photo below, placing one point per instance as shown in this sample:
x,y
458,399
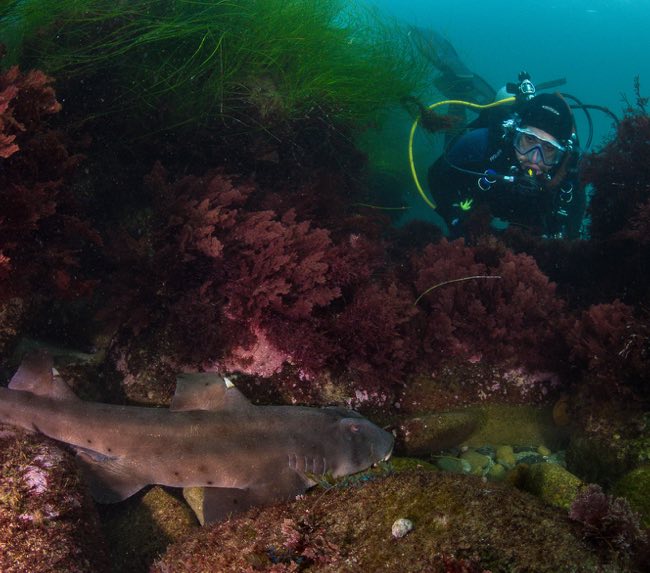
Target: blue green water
x,y
599,46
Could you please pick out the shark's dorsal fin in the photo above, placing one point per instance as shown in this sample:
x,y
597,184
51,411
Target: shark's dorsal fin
x,y
206,391
36,374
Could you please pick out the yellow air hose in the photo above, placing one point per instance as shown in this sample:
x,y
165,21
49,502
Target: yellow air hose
x,y
415,124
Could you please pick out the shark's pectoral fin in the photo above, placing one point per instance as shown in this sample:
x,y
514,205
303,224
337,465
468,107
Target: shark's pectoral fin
x,y
218,503
110,480
212,504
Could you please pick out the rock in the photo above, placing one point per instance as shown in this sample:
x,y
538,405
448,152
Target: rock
x,y
496,472
506,457
478,462
515,425
401,527
529,458
518,449
604,459
403,464
562,411
487,451
430,433
635,487
350,529
552,484
453,465
557,458
194,498
48,523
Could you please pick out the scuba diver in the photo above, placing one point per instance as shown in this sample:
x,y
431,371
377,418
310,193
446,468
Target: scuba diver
x,y
518,161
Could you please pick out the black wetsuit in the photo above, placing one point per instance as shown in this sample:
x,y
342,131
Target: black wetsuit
x,y
525,202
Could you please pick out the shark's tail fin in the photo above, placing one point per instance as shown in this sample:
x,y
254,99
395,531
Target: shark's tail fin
x,y
37,375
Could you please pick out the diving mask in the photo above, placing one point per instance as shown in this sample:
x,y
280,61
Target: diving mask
x,y
537,149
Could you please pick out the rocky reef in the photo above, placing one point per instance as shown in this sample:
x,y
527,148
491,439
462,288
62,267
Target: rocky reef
x,y
47,520
458,524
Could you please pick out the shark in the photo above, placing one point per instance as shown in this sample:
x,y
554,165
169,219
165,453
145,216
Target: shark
x,y
210,437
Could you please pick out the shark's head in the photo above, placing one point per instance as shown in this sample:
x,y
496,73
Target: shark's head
x,y
357,443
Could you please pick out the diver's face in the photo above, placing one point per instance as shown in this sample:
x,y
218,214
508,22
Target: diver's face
x,y
537,150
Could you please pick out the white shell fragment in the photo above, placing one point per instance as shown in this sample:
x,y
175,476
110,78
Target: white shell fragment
x,y
401,527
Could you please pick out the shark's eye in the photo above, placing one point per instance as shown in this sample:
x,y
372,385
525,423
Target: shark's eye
x,y
352,425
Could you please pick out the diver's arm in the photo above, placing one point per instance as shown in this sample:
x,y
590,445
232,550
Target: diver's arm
x,y
452,187
453,192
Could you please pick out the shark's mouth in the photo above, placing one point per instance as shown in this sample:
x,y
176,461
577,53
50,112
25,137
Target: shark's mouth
x,y
384,459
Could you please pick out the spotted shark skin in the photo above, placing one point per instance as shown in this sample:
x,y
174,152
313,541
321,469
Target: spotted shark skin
x,y
210,437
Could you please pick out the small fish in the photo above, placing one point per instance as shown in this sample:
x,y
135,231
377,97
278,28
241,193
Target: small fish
x,y
211,437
